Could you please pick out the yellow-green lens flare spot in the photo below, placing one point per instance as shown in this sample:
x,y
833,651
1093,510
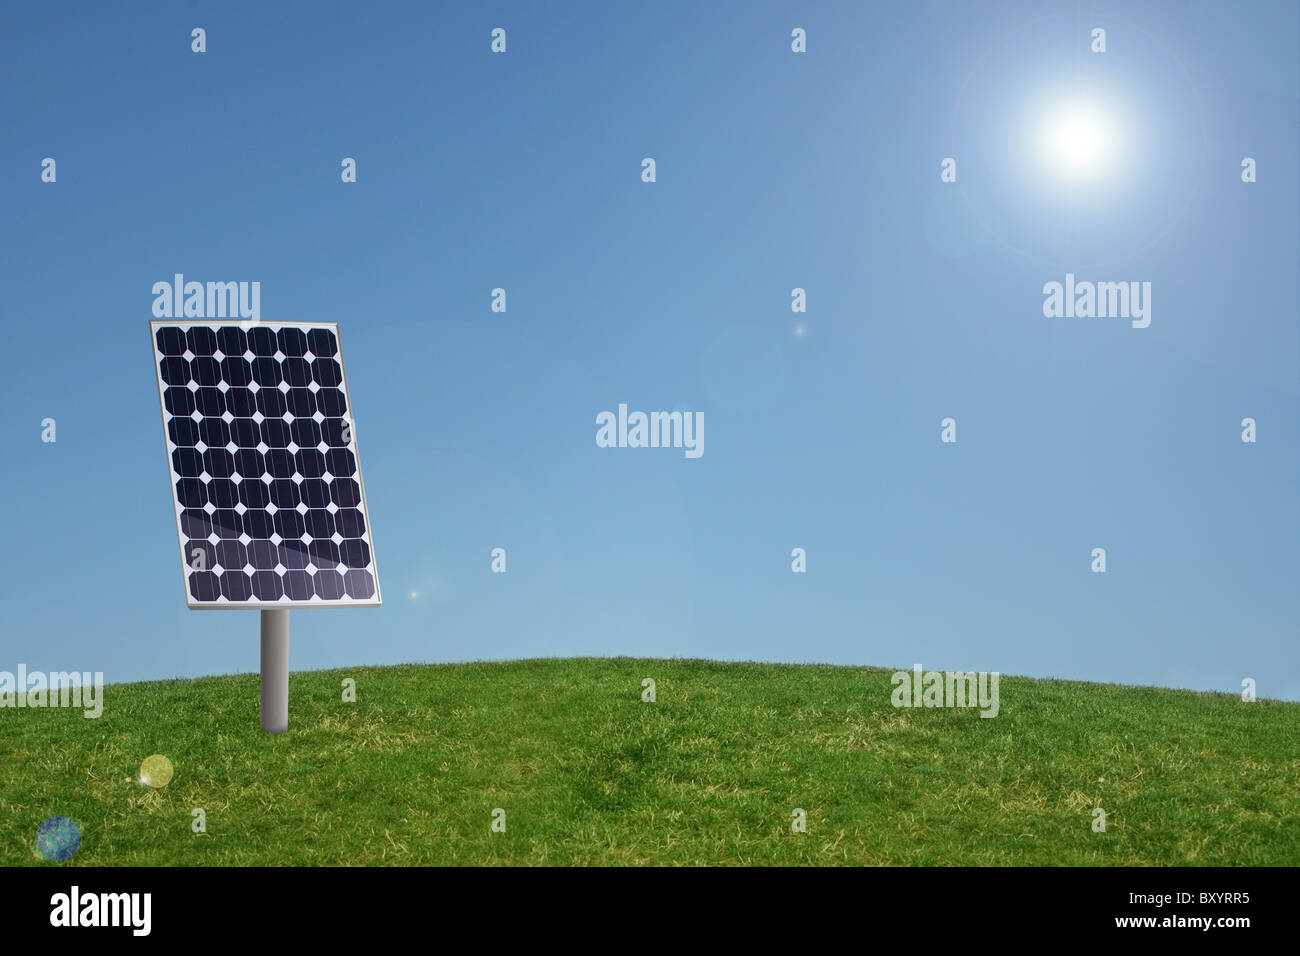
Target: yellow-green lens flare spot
x,y
156,771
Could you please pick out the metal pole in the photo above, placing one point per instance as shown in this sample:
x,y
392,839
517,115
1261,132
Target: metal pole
x,y
275,671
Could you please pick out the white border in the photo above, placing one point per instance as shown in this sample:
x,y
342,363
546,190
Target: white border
x,y
223,604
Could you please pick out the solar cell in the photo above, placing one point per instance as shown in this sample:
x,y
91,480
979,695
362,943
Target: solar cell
x,y
270,505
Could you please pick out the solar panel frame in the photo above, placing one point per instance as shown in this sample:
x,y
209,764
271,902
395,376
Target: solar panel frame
x,y
222,603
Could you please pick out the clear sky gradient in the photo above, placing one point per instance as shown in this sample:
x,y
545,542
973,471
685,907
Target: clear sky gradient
x,y
775,170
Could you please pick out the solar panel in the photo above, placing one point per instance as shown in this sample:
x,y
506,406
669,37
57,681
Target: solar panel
x,y
270,506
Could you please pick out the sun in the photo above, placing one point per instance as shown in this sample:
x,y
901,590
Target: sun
x,y
1078,140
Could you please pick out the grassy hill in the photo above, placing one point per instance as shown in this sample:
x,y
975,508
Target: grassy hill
x,y
709,773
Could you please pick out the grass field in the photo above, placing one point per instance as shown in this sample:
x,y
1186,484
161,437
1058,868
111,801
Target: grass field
x,y
588,773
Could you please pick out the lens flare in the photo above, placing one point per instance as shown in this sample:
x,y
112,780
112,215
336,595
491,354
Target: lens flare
x,y
57,838
156,771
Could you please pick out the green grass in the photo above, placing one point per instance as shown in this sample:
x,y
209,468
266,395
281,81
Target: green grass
x,y
708,774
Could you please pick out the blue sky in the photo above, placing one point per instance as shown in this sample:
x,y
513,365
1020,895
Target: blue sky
x,y
775,170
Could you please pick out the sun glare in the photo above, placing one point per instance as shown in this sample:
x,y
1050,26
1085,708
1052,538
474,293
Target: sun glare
x,y
1079,141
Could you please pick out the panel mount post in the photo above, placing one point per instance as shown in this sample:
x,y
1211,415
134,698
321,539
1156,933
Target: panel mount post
x,y
275,671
